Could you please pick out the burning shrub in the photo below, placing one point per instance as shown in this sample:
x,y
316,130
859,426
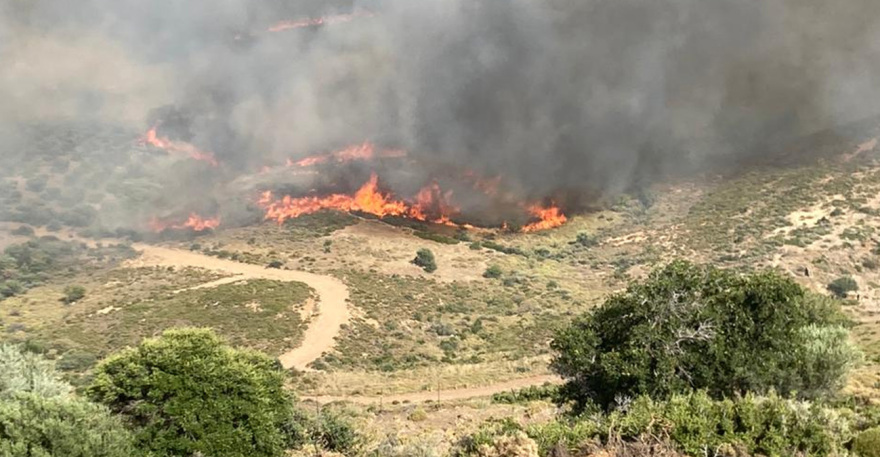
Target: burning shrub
x,y
425,259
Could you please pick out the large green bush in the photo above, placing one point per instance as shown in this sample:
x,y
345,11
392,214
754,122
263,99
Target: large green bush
x,y
691,327
187,392
39,416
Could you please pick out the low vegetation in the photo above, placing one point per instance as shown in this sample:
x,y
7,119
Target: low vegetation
x,y
30,264
260,314
691,424
411,322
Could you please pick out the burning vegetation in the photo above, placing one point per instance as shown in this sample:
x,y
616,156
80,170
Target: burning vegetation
x,y
151,138
430,204
194,222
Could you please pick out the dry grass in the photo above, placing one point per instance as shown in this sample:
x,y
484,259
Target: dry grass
x,y
423,379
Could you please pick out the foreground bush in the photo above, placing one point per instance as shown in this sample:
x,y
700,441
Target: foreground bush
x,y
40,417
32,425
188,393
690,327
692,424
867,444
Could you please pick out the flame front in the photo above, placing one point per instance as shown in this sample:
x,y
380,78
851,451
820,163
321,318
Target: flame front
x,y
153,139
368,199
549,217
430,204
194,222
364,151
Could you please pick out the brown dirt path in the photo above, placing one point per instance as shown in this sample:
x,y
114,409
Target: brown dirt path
x,y
443,395
332,312
332,307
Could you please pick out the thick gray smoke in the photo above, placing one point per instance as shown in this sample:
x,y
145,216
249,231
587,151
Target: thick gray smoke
x,y
566,99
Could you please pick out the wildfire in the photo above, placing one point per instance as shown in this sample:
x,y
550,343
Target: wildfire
x,y
368,199
194,222
314,22
549,217
364,151
153,139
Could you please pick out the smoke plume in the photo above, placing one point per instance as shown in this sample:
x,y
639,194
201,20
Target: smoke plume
x,y
566,100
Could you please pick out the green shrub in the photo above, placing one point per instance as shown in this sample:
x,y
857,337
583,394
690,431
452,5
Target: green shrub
x,y
32,425
493,272
688,327
841,287
11,288
73,294
40,417
425,259
694,424
275,264
430,236
502,248
22,371
547,392
23,230
335,433
867,443
418,415
186,392
584,239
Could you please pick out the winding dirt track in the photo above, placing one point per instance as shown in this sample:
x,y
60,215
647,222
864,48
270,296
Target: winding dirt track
x,y
332,307
332,312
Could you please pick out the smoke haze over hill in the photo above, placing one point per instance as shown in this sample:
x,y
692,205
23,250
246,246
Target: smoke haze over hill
x,y
565,99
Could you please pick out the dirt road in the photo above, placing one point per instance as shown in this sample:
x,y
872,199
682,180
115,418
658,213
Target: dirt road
x,y
332,311
332,307
444,395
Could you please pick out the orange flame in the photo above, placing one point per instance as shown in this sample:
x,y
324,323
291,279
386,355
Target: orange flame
x,y
364,151
368,199
549,217
314,22
432,200
153,139
194,222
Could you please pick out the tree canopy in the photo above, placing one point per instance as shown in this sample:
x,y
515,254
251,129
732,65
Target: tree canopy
x,y
692,327
187,392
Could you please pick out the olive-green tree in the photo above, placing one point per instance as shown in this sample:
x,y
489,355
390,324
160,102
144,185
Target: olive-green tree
x,y
187,392
691,327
